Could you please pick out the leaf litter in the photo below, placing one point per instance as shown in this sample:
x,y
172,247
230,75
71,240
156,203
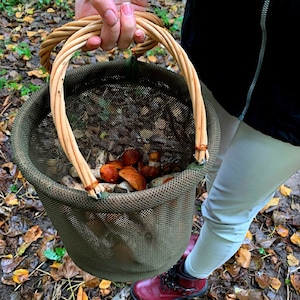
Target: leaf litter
x,y
34,263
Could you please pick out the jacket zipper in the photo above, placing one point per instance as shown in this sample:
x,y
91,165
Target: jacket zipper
x,y
263,18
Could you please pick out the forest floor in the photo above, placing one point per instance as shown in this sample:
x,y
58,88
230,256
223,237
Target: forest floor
x,y
265,267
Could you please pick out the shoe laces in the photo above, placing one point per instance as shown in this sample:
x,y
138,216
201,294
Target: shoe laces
x,y
168,281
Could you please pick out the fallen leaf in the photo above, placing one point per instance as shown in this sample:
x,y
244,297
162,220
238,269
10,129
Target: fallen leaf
x,y
10,263
56,265
295,238
250,294
284,190
152,58
295,281
275,283
232,269
50,10
31,33
273,202
104,284
33,234
11,199
39,73
263,280
18,14
292,260
20,275
28,19
249,235
81,295
243,257
282,231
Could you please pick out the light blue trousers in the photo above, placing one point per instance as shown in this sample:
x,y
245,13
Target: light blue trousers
x,y
249,169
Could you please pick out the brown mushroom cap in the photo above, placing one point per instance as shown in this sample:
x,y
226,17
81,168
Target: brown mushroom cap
x,y
133,177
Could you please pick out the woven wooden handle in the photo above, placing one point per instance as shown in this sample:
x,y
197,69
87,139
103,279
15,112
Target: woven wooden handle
x,y
77,33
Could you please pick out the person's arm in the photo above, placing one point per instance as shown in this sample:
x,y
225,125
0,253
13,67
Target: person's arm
x,y
119,25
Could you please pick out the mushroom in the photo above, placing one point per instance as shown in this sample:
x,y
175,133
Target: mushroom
x,y
133,177
109,173
131,157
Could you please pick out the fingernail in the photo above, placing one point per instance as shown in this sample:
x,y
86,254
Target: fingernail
x,y
127,9
110,18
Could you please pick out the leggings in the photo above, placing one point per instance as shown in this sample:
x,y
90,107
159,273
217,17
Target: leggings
x,y
249,168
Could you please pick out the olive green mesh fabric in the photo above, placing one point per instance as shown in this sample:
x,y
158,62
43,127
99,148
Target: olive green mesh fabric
x,y
111,106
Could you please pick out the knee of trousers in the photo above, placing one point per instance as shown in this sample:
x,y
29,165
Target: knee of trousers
x,y
232,229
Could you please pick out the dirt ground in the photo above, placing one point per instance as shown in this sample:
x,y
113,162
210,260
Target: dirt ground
x,y
265,268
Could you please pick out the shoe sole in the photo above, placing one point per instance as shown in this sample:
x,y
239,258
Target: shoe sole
x,y
203,291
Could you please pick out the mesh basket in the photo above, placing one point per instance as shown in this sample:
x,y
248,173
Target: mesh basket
x,y
112,106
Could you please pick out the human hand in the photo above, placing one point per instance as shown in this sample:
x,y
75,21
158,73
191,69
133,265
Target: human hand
x,y
119,24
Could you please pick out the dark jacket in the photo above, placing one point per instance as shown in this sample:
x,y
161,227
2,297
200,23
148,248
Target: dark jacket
x,y
248,54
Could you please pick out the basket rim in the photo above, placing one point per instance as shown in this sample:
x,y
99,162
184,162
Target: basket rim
x,y
45,184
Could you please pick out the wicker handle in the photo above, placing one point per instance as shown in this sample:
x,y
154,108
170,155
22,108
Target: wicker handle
x,y
77,33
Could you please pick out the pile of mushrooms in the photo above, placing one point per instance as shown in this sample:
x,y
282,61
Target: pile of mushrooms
x,y
128,173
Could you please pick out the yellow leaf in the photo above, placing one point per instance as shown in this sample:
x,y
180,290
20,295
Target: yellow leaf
x,y
31,33
284,190
273,202
8,256
295,238
10,47
81,295
292,260
152,58
263,280
275,283
104,284
18,14
243,257
28,19
20,275
50,10
249,235
37,73
22,249
56,265
282,231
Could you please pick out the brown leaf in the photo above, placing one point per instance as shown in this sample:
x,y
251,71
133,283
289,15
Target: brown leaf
x,y
11,200
9,264
243,257
33,234
275,283
295,280
263,280
282,231
232,269
68,268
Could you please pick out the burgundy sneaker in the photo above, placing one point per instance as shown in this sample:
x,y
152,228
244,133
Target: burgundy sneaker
x,y
172,285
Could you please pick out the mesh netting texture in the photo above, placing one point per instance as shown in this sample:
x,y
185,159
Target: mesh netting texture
x,y
113,106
